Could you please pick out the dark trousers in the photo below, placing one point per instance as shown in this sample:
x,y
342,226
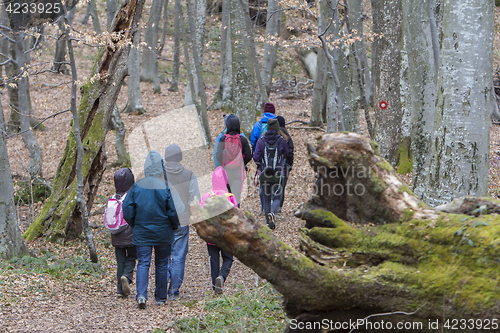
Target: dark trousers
x,y
271,193
125,264
227,261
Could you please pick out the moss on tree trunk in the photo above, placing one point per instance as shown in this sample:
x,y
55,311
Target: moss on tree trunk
x,y
60,216
388,253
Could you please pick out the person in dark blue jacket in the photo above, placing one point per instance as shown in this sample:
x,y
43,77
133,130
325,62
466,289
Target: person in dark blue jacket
x,y
270,154
261,126
149,209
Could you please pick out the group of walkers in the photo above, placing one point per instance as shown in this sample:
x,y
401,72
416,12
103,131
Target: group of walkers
x,y
154,212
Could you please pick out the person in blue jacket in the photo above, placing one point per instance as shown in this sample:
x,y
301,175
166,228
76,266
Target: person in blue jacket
x,y
261,126
221,134
149,209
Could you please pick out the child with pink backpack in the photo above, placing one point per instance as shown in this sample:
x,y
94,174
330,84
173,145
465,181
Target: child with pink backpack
x,y
219,273
234,153
121,232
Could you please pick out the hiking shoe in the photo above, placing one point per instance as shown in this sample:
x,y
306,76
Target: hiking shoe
x,y
121,295
271,221
141,301
125,285
161,302
174,297
261,213
219,284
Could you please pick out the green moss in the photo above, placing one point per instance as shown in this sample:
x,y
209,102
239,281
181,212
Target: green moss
x,y
324,218
404,188
405,164
407,214
374,147
384,165
342,236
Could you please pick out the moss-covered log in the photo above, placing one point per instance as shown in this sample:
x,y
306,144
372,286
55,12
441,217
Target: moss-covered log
x,y
60,216
388,253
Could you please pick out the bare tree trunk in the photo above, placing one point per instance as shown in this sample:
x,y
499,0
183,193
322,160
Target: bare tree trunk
x,y
111,7
460,147
149,68
59,63
35,165
320,84
95,16
116,124
202,109
61,212
11,242
86,16
164,28
82,205
223,98
273,25
200,10
134,102
177,45
243,70
422,83
387,131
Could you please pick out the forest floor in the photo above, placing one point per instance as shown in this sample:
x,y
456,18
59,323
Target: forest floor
x,y
86,301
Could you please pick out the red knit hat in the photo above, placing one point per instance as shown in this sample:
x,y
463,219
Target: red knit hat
x,y
269,107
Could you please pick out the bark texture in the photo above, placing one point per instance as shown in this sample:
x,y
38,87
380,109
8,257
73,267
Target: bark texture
x,y
243,70
11,242
400,257
60,217
460,147
387,130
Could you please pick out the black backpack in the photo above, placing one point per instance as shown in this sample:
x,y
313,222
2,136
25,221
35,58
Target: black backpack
x,y
271,162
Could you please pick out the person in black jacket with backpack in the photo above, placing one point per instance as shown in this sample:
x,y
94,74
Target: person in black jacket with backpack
x,y
289,158
233,153
270,154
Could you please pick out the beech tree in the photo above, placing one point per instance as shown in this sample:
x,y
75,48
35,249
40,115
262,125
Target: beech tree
x,y
243,70
386,73
149,68
11,242
460,146
60,218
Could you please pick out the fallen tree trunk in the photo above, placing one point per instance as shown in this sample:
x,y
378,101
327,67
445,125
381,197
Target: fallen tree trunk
x,y
380,252
60,214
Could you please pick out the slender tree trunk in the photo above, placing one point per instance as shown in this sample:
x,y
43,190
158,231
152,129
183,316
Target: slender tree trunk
x,y
404,164
422,84
387,131
273,25
85,18
95,16
164,28
82,204
201,109
11,242
60,212
111,7
134,102
460,148
200,10
223,98
59,63
116,124
149,68
177,45
243,70
319,88
35,165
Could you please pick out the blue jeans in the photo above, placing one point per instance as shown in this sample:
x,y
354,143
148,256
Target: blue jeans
x,y
161,273
177,261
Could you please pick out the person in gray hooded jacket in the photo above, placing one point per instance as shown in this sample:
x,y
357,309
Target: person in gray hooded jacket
x,y
184,188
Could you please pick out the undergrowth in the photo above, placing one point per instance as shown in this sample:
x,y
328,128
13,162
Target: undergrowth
x,y
257,310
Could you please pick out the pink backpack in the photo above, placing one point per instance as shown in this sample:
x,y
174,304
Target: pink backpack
x,y
233,158
113,215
